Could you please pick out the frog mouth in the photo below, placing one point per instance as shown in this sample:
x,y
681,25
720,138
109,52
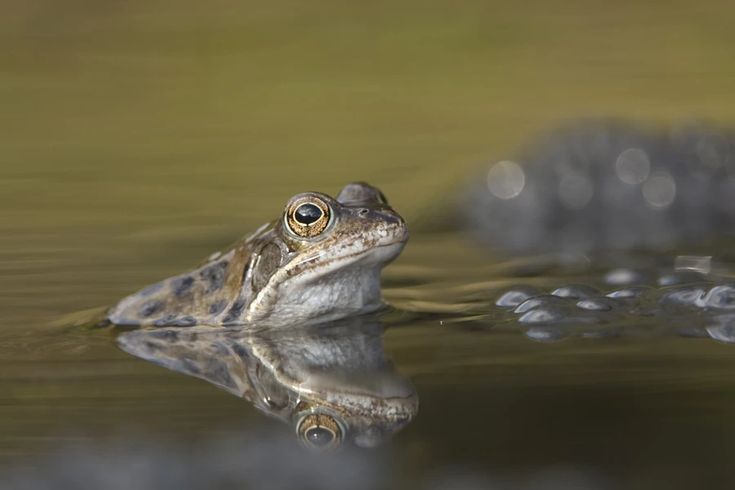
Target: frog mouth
x,y
380,255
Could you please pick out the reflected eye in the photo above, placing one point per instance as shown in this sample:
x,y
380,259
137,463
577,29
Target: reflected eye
x,y
308,217
319,431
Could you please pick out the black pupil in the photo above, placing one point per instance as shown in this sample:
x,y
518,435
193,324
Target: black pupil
x,y
319,436
307,214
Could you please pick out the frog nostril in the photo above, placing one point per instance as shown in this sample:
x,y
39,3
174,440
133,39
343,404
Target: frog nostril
x,y
364,211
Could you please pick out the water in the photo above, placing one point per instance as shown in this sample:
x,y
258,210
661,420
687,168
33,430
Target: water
x,y
140,137
648,406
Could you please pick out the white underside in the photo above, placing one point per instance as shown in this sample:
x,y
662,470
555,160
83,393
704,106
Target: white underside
x,y
348,286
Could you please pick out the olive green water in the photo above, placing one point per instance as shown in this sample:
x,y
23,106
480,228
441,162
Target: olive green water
x,y
138,137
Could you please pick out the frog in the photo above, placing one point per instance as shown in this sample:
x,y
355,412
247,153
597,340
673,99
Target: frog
x,y
332,383
320,260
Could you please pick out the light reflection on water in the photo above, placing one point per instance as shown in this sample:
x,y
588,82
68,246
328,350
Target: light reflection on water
x,y
495,406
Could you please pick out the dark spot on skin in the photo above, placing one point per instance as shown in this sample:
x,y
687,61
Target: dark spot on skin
x,y
150,308
164,321
174,321
268,262
151,346
216,308
240,350
190,366
186,321
220,349
151,289
214,276
168,335
235,311
222,374
182,285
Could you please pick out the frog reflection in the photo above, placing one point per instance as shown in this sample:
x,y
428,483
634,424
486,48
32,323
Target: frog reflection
x,y
332,383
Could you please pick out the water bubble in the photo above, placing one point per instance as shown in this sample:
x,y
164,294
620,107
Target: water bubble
x,y
659,190
516,296
541,315
536,302
506,179
632,166
575,291
595,304
575,191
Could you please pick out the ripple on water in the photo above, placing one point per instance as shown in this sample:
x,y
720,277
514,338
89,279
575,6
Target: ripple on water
x,y
546,334
683,296
680,277
720,297
723,328
629,293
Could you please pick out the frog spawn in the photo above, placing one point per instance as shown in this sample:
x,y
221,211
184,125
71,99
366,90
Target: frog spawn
x,y
601,185
702,309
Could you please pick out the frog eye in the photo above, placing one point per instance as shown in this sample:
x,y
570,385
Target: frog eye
x,y
308,217
319,431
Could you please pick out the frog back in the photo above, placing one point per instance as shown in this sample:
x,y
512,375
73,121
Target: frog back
x,y
200,296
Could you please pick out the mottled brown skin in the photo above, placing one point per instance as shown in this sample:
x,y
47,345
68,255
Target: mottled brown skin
x,y
189,298
276,277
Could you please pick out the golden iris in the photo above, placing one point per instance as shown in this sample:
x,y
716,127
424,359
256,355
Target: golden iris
x,y
308,218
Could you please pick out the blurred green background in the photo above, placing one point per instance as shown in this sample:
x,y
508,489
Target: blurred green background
x,y
232,106
136,137
124,121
